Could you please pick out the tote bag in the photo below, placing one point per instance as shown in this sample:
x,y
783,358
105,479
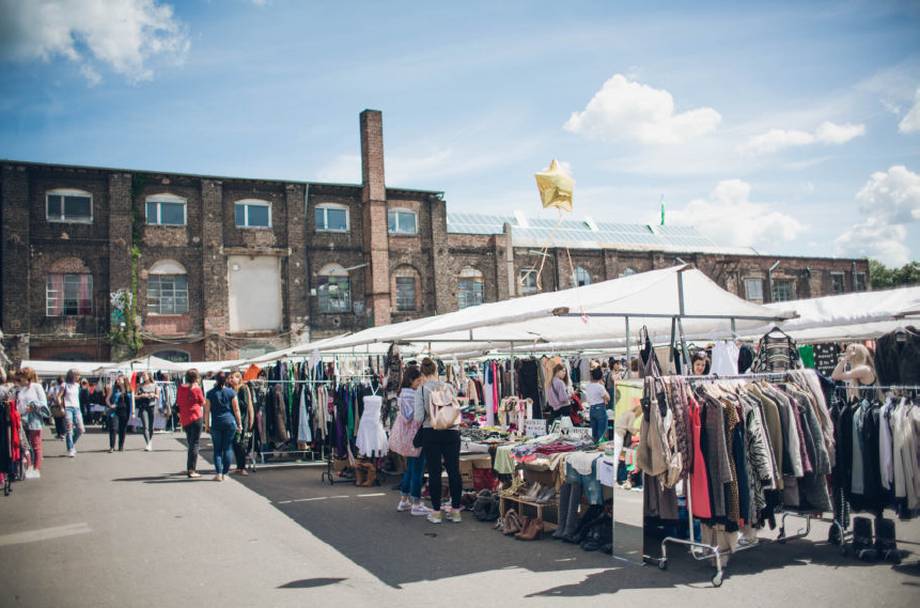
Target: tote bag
x,y
402,435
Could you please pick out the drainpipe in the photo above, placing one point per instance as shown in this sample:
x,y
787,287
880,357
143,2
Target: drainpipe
x,y
770,279
853,274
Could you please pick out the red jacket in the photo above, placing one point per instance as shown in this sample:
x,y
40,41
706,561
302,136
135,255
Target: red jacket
x,y
190,400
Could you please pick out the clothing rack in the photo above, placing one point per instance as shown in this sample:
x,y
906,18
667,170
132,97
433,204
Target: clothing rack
x,y
701,551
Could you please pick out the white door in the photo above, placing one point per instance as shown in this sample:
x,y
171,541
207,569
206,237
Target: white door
x,y
255,293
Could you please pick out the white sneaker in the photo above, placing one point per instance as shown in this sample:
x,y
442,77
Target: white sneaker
x,y
454,516
148,448
420,510
435,517
72,453
404,505
31,473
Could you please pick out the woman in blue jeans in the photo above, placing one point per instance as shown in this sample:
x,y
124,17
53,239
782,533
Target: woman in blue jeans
x,y
410,488
597,398
221,419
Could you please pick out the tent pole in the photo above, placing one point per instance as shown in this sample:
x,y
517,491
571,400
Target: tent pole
x,y
513,391
683,346
628,350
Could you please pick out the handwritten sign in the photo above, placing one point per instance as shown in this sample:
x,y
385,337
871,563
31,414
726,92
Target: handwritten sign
x,y
535,428
580,431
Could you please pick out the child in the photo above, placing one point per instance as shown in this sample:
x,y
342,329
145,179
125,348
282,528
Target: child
x,y
597,398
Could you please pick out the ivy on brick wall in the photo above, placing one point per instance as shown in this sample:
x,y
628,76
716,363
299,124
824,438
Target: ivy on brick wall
x,y
128,333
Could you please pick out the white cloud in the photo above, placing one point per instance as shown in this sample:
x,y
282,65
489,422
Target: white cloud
x,y
884,242
911,121
827,132
892,196
628,110
729,216
889,201
124,35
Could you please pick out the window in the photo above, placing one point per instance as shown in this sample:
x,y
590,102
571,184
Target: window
x,y
402,221
253,214
470,288
167,288
69,295
405,294
166,210
69,206
176,356
167,294
860,278
528,281
838,282
333,288
582,277
627,272
331,218
753,289
783,290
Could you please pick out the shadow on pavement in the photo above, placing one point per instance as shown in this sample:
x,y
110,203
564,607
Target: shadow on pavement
x,y
310,583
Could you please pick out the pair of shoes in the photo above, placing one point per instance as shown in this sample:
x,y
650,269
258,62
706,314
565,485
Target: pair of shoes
x,y
435,517
148,448
454,516
242,472
532,529
193,474
420,510
217,478
32,473
72,453
404,504
111,450
546,495
511,523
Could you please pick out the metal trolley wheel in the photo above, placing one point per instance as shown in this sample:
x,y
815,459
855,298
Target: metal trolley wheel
x,y
663,564
717,579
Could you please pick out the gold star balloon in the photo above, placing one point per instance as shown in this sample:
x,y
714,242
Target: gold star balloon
x,y
555,187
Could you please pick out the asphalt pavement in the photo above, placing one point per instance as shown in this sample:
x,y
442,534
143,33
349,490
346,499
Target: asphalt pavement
x,y
127,529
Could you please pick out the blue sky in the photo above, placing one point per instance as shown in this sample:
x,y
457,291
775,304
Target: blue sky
x,y
790,127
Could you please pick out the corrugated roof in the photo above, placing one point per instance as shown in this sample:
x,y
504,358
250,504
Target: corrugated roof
x,y
579,234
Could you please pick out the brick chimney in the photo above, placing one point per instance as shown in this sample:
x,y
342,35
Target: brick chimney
x,y
374,212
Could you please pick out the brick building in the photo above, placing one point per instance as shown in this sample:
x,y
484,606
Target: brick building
x,y
225,267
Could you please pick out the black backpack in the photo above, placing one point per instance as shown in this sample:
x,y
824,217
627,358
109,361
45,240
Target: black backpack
x,y
486,506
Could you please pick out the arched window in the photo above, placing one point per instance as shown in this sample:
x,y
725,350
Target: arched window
x,y
253,213
176,356
470,290
68,289
405,289
166,210
333,287
331,217
68,205
402,221
627,271
582,277
167,288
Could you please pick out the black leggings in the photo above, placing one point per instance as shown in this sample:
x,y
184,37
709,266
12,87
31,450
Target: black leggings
x,y
239,451
193,435
118,423
145,412
446,445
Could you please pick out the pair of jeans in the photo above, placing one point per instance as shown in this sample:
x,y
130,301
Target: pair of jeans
x,y
438,445
35,440
193,436
74,419
222,438
598,416
145,412
118,423
411,484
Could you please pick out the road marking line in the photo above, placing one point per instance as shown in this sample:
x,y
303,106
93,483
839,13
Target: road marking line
x,y
369,495
285,502
34,536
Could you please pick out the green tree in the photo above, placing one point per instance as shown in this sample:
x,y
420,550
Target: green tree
x,y
884,277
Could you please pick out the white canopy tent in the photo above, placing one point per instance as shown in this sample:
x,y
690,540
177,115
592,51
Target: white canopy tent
x,y
50,369
680,300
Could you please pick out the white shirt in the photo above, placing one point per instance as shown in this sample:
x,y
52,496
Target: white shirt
x,y
595,393
72,395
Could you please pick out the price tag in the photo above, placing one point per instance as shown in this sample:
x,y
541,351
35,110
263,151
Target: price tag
x,y
535,428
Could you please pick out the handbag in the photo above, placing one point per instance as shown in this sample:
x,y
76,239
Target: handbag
x,y
417,439
402,437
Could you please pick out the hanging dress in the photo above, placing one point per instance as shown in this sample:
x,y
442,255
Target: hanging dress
x,y
372,438
699,479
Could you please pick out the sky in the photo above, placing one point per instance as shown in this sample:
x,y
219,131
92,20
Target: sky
x,y
790,127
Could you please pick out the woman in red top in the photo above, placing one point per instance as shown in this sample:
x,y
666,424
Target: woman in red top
x,y
190,399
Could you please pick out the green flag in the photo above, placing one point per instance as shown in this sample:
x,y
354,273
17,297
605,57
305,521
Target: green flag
x,y
662,211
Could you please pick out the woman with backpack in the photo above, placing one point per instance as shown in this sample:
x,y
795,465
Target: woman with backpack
x,y
439,414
